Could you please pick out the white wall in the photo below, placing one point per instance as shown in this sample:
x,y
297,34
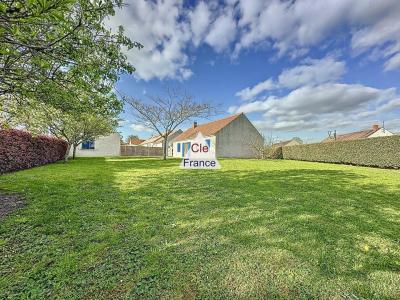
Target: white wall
x,y
292,143
103,146
159,143
381,132
235,139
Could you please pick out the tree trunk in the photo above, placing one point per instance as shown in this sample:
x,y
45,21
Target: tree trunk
x,y
74,151
67,153
165,150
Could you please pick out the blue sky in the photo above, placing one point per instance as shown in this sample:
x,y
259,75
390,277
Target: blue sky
x,y
296,68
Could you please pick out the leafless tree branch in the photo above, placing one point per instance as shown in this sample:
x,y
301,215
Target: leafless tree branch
x,y
165,113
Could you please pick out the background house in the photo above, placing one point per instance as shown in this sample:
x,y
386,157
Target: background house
x,y
374,131
134,141
103,146
229,137
157,141
291,142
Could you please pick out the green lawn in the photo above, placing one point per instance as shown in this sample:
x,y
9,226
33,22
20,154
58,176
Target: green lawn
x,y
143,228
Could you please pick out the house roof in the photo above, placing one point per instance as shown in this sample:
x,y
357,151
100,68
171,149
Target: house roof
x,y
157,138
153,139
207,129
135,141
282,144
363,134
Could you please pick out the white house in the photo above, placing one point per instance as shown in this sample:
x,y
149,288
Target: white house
x,y
229,137
157,141
287,143
109,145
374,131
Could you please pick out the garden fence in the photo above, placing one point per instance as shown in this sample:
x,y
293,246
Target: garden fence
x,y
127,150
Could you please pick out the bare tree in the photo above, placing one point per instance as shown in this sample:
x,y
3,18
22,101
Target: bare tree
x,y
264,147
165,113
270,140
257,146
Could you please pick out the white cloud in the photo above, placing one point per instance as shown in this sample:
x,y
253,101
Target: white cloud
x,y
393,125
383,30
310,72
393,63
249,93
322,106
325,98
158,27
250,10
185,73
313,72
393,104
222,32
168,29
140,128
293,25
255,106
200,20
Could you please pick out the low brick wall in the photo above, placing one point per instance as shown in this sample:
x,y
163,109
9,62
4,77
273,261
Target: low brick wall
x,y
127,150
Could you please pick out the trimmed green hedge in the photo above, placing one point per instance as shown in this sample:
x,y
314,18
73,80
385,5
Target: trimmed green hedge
x,y
381,152
273,153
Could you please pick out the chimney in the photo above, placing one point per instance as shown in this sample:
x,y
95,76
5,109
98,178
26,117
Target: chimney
x,y
375,127
194,124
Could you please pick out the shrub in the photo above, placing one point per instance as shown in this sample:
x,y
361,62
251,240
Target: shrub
x,y
273,152
381,152
20,150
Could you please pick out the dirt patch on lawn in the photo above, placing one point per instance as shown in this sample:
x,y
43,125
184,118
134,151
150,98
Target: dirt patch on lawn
x,y
9,203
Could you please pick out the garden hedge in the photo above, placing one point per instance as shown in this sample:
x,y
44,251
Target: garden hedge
x,y
381,152
273,152
20,150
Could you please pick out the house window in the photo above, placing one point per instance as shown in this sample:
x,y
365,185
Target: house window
x,y
88,145
208,141
179,147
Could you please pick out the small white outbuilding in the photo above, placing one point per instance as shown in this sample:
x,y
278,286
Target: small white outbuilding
x,y
109,145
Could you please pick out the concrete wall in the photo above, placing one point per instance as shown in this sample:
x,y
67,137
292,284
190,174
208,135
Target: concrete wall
x,y
381,132
235,139
103,146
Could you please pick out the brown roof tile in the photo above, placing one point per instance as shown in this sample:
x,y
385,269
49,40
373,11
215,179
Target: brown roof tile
x,y
157,138
135,142
153,139
207,129
281,144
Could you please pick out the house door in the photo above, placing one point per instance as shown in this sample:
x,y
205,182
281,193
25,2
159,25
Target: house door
x,y
186,147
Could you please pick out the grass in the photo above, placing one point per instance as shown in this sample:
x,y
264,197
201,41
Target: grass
x,y
121,228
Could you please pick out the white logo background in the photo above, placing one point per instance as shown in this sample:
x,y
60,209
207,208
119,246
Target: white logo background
x,y
199,158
